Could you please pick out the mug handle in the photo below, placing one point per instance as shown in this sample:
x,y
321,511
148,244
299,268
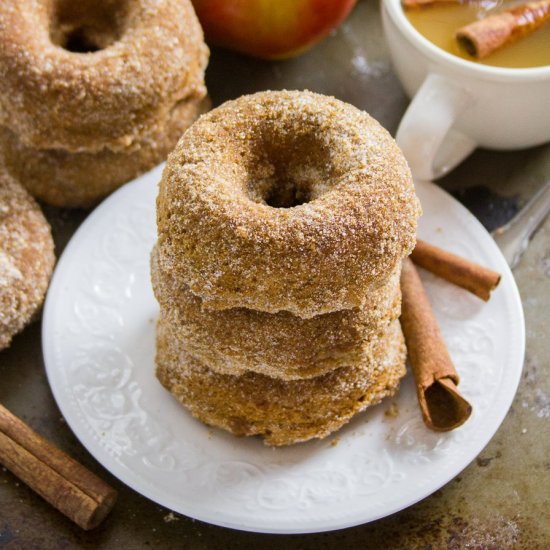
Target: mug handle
x,y
430,144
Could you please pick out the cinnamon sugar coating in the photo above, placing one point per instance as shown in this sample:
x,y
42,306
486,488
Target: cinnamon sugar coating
x,y
68,179
279,345
285,201
283,219
26,258
146,56
281,412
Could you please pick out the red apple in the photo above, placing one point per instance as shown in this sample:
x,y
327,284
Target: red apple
x,y
270,29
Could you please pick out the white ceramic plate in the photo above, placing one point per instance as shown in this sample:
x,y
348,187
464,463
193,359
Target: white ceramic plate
x,y
98,338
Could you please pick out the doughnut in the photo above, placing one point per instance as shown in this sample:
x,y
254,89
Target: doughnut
x,y
285,201
89,75
276,354
66,179
26,258
279,345
282,412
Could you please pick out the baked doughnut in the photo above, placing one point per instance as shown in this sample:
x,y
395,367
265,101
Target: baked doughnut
x,y
67,179
147,56
279,345
285,201
26,258
281,412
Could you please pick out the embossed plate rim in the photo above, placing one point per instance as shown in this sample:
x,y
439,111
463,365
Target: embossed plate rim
x,y
273,523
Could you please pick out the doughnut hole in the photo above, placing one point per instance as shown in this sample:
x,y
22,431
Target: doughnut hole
x,y
87,26
287,169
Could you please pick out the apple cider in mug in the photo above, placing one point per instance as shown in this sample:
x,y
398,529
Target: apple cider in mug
x,y
500,33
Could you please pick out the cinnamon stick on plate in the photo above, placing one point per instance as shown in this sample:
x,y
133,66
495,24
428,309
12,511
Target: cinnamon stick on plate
x,y
443,407
55,476
483,37
457,270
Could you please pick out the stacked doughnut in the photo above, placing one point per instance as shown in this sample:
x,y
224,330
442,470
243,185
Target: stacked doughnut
x,y
94,93
283,219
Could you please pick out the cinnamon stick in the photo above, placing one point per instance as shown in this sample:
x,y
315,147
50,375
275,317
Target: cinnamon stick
x,y
419,4
482,38
469,275
55,476
443,407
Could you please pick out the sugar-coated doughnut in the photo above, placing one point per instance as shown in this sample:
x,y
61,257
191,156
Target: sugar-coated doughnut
x,y
280,345
87,75
285,201
68,179
282,412
26,258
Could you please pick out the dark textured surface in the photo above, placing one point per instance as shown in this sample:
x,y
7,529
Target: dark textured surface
x,y
498,502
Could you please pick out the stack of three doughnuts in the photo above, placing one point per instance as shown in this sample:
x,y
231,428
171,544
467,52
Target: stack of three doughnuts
x,y
283,218
92,94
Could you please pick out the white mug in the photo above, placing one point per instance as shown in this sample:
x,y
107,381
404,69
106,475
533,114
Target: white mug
x,y
459,105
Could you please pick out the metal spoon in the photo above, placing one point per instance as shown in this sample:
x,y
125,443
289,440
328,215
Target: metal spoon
x,y
513,238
